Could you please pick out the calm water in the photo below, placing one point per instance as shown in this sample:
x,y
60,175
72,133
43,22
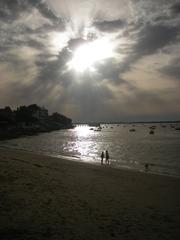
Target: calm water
x,y
127,149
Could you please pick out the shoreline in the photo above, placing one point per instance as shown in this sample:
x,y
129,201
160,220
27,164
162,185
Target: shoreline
x,y
20,133
95,163
44,197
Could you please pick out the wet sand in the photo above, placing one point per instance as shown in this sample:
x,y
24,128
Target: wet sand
x,y
47,198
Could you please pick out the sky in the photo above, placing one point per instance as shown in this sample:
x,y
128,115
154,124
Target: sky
x,y
92,60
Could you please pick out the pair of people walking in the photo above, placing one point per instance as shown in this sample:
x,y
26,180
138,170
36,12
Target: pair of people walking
x,y
106,155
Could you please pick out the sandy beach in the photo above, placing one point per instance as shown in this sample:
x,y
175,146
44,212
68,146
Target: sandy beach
x,y
48,198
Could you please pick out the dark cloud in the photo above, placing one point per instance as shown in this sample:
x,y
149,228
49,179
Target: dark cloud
x,y
75,43
11,41
10,10
153,38
47,12
176,8
150,39
18,33
110,70
110,26
173,69
52,71
33,43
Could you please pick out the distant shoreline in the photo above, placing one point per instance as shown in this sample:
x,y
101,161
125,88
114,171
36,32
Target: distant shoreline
x,y
129,122
8,135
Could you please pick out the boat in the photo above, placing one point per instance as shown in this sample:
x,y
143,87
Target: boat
x,y
152,127
98,129
132,130
151,132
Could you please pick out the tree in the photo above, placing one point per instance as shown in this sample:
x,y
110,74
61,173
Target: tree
x,y
25,114
56,117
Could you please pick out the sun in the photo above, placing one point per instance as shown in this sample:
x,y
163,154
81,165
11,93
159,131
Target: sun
x,y
88,54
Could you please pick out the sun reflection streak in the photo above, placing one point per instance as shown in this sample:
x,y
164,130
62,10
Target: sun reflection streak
x,y
82,131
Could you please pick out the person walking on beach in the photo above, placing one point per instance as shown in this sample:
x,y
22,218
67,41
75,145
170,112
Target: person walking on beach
x,y
107,157
102,157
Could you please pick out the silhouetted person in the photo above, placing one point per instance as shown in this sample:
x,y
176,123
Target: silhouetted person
x,y
102,157
146,166
107,157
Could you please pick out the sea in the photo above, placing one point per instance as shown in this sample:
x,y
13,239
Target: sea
x,y
130,146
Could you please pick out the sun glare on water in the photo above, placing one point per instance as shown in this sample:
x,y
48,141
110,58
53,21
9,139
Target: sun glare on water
x,y
82,131
87,55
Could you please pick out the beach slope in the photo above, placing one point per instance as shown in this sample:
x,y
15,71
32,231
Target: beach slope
x,y
48,198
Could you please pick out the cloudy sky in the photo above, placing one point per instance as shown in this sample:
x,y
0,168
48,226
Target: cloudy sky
x,y
92,59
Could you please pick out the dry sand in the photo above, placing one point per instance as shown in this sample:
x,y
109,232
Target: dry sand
x,y
48,198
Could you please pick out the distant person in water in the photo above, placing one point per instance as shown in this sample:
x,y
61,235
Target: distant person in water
x,y
146,166
107,157
102,157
